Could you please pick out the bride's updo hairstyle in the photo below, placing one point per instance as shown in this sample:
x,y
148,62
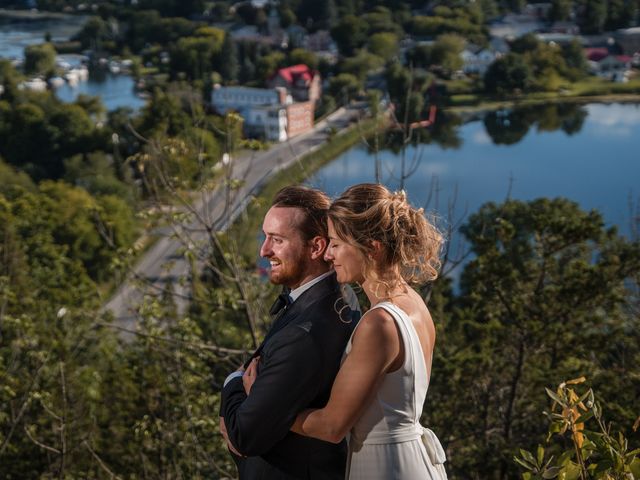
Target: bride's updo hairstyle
x,y
410,244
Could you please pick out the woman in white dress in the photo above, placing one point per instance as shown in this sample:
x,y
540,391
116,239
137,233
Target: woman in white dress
x,y
379,241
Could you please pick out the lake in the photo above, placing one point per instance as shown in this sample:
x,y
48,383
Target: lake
x,y
114,90
16,35
589,154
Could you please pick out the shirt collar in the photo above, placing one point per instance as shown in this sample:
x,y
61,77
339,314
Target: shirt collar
x,y
294,294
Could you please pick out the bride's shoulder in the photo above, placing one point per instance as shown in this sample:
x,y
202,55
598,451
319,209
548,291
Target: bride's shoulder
x,y
378,321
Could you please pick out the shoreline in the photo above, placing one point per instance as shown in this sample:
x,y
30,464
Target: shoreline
x,y
34,15
490,106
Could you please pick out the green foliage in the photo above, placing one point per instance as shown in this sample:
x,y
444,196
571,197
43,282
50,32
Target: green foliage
x,y
39,59
350,34
344,87
93,34
508,74
306,57
590,453
361,64
466,22
196,56
383,44
41,132
545,298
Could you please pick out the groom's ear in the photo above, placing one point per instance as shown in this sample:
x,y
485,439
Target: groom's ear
x,y
318,246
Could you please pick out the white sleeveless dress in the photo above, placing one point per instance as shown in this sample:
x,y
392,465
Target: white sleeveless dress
x,y
388,442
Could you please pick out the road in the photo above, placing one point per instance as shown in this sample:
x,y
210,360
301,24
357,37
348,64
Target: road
x,y
163,264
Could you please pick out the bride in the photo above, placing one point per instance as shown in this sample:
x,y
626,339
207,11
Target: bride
x,y
381,242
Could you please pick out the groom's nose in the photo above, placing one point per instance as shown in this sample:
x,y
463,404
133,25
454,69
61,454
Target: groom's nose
x,y
265,248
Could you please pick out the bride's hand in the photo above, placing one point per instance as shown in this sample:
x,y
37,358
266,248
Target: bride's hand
x,y
250,375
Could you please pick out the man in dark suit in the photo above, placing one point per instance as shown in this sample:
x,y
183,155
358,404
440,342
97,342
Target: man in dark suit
x,y
300,355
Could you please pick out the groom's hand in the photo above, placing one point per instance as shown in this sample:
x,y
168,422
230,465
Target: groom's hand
x,y
223,431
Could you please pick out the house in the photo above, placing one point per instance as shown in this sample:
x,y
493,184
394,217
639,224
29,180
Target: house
x,y
267,121
303,83
476,60
320,41
628,39
513,25
224,99
268,113
539,11
613,67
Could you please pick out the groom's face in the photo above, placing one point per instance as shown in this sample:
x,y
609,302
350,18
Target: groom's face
x,y
288,253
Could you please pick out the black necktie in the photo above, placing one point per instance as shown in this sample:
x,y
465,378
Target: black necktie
x,y
282,302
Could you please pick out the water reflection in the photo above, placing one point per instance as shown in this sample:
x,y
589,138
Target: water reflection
x,y
585,153
506,127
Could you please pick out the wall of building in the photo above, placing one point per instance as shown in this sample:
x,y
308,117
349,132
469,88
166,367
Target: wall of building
x,y
299,118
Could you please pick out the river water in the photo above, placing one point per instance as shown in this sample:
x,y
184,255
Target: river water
x,y
589,154
114,90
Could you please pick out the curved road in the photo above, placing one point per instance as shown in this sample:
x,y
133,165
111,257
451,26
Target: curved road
x,y
162,265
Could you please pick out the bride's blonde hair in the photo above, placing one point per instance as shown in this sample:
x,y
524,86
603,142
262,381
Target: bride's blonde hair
x,y
369,212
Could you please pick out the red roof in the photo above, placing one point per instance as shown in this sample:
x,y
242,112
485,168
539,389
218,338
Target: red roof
x,y
596,54
623,58
296,73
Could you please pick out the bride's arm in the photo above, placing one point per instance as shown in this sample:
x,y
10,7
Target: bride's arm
x,y
375,346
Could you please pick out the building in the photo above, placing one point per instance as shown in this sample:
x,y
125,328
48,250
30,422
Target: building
x,y
299,118
268,113
629,40
303,83
616,68
239,99
476,60
268,122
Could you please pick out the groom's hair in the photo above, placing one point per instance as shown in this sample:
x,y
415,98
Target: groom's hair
x,y
314,204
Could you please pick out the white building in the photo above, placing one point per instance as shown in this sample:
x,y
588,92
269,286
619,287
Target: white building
x,y
264,110
269,122
239,99
478,61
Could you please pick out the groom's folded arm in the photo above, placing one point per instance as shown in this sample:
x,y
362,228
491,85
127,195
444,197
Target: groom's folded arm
x,y
287,382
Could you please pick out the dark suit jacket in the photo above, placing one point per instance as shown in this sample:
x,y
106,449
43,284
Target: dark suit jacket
x,y
296,371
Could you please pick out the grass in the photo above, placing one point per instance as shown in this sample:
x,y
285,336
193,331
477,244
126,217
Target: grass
x,y
589,90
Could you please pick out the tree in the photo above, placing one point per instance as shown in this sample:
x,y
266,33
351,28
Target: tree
x,y
306,57
350,34
384,45
93,33
39,59
560,10
544,299
508,74
594,17
344,87
361,65
575,59
445,53
227,60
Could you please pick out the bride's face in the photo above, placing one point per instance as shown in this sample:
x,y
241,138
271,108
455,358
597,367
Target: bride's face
x,y
347,260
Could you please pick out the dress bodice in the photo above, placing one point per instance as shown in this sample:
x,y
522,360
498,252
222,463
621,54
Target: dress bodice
x,y
394,413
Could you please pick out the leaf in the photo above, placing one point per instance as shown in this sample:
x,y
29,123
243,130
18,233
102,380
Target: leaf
x,y
528,457
575,381
636,424
571,471
555,397
540,454
578,438
523,463
551,472
634,466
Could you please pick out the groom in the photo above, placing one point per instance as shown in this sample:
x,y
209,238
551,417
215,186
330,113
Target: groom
x,y
300,355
